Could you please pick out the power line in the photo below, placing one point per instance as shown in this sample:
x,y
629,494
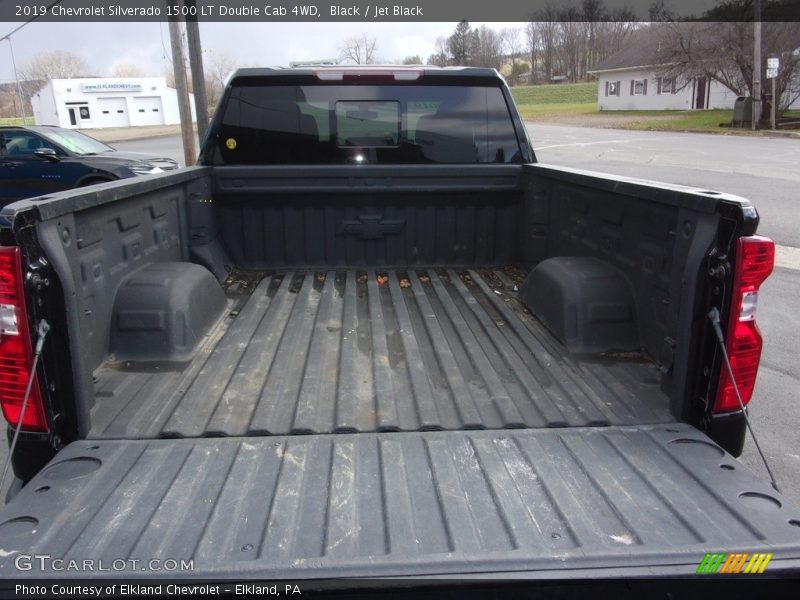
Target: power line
x,y
29,21
7,37
16,78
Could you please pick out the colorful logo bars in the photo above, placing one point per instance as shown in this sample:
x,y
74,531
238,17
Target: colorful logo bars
x,y
735,562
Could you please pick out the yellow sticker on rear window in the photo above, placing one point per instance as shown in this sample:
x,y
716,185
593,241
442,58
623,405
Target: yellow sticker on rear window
x,y
230,144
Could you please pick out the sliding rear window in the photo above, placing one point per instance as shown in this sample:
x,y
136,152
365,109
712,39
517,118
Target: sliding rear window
x,y
365,124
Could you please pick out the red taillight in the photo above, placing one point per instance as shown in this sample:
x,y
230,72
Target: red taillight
x,y
16,354
755,257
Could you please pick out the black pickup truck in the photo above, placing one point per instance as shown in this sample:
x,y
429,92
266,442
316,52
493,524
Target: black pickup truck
x,y
369,335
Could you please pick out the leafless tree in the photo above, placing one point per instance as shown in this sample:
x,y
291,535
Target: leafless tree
x,y
566,41
594,13
487,48
570,39
216,69
440,58
169,75
9,103
127,70
659,11
548,34
55,65
723,52
571,36
360,49
532,45
512,44
9,98
615,33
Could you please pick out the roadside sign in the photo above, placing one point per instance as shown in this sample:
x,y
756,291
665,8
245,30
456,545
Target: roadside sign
x,y
772,73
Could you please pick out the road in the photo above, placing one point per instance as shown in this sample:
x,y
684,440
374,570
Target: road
x,y
762,169
169,146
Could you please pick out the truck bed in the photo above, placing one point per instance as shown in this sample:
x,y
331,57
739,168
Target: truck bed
x,y
365,351
577,502
368,397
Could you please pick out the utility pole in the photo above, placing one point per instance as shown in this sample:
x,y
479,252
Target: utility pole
x,y
196,66
756,64
184,107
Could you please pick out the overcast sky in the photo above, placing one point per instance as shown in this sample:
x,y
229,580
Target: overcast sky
x,y
102,45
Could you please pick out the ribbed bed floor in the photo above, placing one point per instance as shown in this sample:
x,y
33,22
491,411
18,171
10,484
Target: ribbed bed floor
x,y
360,351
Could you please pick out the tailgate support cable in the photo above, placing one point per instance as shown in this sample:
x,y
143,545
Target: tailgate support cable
x,y
713,315
43,329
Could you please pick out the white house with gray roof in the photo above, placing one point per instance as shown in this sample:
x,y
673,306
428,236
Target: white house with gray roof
x,y
641,88
632,79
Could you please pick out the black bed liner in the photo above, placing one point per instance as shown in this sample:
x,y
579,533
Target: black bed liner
x,y
350,351
407,503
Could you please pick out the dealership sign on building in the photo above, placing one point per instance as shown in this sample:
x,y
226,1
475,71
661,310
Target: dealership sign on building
x,y
101,86
94,102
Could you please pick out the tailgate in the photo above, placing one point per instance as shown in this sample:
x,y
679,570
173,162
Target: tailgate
x,y
612,500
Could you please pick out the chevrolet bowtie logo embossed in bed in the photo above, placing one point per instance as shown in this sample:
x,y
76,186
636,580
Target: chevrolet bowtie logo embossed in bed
x,y
734,562
371,227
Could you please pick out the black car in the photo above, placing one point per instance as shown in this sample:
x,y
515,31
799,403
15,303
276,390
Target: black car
x,y
41,160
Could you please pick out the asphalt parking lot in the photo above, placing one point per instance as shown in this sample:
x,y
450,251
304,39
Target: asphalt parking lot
x,y
762,169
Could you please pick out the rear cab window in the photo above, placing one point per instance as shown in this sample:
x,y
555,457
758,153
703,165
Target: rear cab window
x,y
264,123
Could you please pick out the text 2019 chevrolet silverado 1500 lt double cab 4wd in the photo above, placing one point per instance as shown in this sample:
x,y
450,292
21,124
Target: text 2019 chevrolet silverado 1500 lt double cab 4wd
x,y
370,336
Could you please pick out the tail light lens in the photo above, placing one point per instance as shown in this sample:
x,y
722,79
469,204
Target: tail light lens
x,y
16,354
755,258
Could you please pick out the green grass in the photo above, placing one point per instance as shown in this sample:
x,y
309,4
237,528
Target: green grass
x,y
548,102
563,93
547,112
10,121
678,120
707,121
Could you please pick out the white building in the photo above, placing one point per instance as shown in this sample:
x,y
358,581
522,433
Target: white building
x,y
93,103
631,80
641,88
